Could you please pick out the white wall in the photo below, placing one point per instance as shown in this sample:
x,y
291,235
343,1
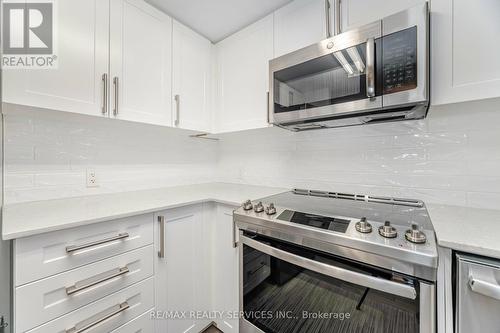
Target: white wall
x,y
47,155
453,156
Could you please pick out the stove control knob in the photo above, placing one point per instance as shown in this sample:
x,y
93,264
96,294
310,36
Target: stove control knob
x,y
247,205
387,230
415,235
259,207
270,210
363,226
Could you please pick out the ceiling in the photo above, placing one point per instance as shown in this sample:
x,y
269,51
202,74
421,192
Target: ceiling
x,y
217,19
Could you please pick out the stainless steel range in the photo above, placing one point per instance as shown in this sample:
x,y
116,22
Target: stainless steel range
x,y
314,261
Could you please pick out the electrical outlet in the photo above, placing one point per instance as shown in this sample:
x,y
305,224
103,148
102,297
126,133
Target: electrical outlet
x,y
91,178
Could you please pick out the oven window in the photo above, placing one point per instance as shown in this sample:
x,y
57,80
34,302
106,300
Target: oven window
x,y
280,297
334,78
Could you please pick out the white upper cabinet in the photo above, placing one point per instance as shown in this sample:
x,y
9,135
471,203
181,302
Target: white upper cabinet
x,y
299,24
464,50
355,13
82,50
243,77
192,79
141,63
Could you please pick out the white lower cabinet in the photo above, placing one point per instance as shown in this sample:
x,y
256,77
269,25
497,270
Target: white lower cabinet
x,y
182,282
225,270
141,324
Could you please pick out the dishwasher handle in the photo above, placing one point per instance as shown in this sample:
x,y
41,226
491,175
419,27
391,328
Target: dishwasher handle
x,y
484,288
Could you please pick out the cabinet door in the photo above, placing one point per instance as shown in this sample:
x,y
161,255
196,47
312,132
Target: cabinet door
x,y
359,12
299,24
180,272
82,51
463,52
226,266
141,61
243,77
192,56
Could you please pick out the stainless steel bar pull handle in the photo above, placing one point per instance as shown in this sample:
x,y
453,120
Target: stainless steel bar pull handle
x,y
98,318
370,67
484,288
338,18
177,109
104,108
161,252
74,248
343,274
328,19
115,84
95,280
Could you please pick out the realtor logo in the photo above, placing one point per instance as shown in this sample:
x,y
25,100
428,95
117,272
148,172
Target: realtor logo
x,y
28,35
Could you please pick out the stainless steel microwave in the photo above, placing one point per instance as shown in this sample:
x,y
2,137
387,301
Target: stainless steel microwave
x,y
375,73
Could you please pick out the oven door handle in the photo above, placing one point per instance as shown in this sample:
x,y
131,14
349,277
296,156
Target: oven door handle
x,y
364,280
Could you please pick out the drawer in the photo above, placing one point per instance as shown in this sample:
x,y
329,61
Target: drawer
x,y
44,300
47,254
108,313
142,324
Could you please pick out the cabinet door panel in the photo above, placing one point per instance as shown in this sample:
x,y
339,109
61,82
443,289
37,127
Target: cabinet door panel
x,y
299,24
192,55
243,77
359,12
141,59
82,51
462,50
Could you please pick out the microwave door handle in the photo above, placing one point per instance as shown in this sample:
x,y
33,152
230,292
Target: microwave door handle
x,y
484,288
346,275
370,68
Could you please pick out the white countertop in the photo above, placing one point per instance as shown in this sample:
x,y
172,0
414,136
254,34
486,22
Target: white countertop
x,y
30,218
471,230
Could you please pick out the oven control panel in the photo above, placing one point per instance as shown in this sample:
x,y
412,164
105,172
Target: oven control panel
x,y
399,61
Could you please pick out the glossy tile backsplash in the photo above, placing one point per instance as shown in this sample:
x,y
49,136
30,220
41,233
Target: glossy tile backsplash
x,y
47,156
453,157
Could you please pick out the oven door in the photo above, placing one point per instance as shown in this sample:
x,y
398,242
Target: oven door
x,y
288,288
333,77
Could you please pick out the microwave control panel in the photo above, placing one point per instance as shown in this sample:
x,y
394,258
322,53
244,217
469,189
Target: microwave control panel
x,y
399,61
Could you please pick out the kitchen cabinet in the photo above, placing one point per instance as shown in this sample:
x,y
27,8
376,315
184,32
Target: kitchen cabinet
x,y
76,84
192,79
463,52
243,77
355,13
226,266
140,63
299,24
182,282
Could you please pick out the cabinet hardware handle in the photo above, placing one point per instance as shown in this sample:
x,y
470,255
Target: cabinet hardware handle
x,y
370,68
98,318
338,17
327,19
177,109
115,84
484,287
104,108
95,280
74,248
161,220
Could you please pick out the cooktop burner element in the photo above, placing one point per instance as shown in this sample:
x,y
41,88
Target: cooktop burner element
x,y
343,224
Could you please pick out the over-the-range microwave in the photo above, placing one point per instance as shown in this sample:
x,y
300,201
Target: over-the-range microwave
x,y
376,73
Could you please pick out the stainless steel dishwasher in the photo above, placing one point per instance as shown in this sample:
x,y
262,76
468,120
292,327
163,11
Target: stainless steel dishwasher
x,y
478,294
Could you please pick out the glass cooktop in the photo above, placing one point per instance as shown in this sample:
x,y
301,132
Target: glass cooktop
x,y
316,221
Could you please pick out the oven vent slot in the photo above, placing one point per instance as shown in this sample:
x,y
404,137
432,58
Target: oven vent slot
x,y
360,197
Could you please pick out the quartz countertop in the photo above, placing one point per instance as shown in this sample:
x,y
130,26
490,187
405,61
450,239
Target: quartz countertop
x,y
36,217
471,230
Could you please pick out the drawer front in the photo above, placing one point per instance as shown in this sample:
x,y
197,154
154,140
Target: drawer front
x,y
142,324
109,313
47,254
44,300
